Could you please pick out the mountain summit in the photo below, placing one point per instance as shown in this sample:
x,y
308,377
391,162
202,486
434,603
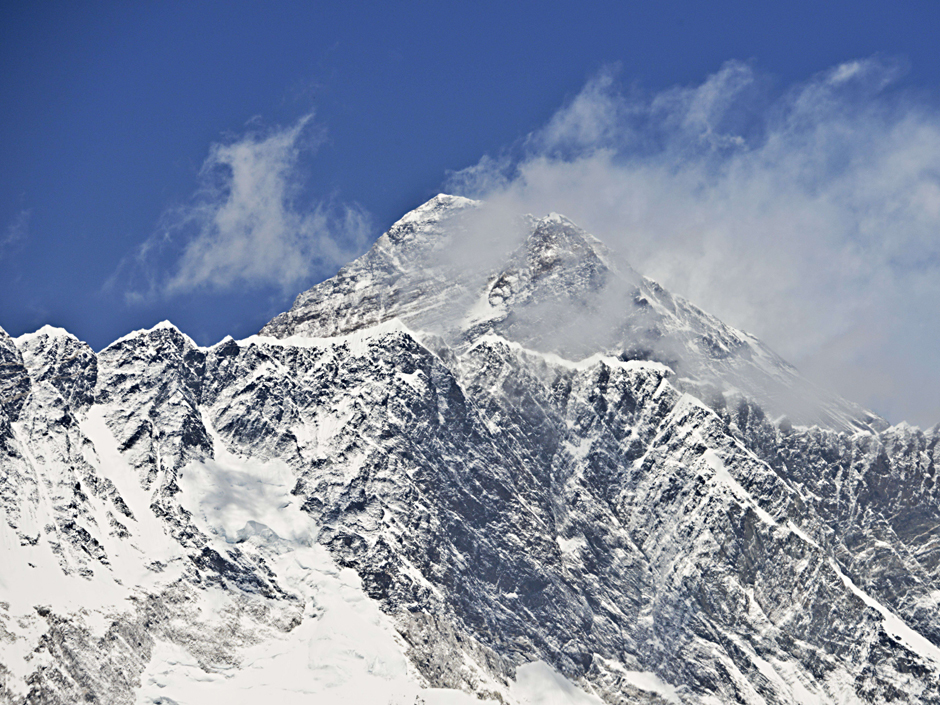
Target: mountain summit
x,y
455,269
485,461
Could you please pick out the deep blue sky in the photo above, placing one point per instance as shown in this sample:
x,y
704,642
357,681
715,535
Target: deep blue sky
x,y
110,110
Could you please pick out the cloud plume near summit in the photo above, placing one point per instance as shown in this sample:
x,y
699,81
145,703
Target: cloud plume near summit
x,y
808,216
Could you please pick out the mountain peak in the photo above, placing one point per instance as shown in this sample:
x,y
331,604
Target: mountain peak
x,y
558,260
556,239
155,329
437,207
458,270
423,219
47,331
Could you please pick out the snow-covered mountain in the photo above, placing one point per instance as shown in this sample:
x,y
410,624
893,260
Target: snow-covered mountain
x,y
487,460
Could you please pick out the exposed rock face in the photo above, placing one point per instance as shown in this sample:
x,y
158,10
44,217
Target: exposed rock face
x,y
542,457
14,383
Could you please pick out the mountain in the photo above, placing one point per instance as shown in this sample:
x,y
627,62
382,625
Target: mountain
x,y
486,461
457,270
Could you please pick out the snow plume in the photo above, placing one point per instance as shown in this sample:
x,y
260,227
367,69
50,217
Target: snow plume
x,y
808,216
248,223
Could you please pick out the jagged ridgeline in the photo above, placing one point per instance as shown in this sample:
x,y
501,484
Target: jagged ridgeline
x,y
485,461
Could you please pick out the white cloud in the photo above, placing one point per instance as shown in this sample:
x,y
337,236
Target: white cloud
x,y
810,217
592,118
249,224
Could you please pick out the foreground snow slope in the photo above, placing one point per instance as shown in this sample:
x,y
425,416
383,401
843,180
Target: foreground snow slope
x,y
407,490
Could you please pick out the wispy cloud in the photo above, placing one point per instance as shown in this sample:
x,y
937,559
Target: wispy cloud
x,y
808,216
16,231
249,223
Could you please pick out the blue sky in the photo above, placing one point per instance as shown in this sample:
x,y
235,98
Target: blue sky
x,y
125,123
